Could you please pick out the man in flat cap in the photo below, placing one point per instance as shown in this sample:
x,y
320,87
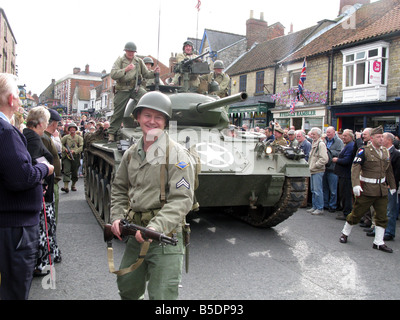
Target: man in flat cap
x,y
371,177
279,138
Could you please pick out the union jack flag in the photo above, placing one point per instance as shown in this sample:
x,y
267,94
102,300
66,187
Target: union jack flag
x,y
198,5
293,104
303,77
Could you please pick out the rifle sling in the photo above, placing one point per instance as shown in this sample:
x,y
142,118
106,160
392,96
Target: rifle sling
x,y
134,266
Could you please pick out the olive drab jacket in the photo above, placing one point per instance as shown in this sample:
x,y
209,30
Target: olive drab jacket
x,y
137,185
75,144
373,172
222,79
127,81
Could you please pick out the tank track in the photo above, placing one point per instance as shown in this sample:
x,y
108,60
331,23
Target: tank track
x,y
293,195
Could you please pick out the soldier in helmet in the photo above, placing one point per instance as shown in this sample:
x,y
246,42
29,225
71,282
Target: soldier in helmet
x,y
128,71
149,65
219,76
137,194
188,53
72,147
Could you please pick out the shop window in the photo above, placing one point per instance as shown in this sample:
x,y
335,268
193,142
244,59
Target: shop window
x,y
362,64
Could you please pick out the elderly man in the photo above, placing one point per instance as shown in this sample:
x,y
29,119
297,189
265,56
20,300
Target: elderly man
x,y
304,144
342,169
392,208
292,139
330,181
371,176
317,160
279,138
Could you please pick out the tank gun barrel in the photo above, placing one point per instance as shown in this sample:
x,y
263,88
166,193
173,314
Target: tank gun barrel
x,y
202,107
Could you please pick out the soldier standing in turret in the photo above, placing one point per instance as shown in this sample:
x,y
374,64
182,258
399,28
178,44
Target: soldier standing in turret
x,y
128,71
188,53
219,76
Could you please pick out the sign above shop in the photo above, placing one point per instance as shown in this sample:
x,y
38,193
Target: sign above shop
x,y
298,113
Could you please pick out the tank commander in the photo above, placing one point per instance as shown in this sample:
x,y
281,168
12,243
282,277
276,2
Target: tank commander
x,y
137,195
128,71
372,178
188,53
219,76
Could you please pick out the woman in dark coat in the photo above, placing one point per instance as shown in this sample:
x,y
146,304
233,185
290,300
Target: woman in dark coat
x,y
37,121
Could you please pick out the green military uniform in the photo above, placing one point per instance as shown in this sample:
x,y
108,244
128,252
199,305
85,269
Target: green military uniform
x,y
373,172
280,141
127,87
194,80
136,191
71,167
371,176
222,79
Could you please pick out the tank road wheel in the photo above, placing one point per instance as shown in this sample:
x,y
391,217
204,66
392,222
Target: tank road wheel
x,y
102,191
293,194
97,191
107,203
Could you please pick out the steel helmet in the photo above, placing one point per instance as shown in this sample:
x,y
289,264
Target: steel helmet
x,y
219,64
157,101
148,60
188,42
130,46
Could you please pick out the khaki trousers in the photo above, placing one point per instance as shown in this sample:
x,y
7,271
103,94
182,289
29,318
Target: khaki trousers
x,y
363,203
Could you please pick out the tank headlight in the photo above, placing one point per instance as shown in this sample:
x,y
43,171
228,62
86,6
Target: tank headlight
x,y
268,150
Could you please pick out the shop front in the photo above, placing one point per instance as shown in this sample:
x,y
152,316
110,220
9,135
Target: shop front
x,y
302,118
358,116
254,112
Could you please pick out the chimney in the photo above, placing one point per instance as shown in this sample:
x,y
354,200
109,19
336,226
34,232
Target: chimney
x,y
77,70
87,69
291,28
256,30
344,3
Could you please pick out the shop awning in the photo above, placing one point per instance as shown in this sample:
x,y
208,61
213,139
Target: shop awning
x,y
365,109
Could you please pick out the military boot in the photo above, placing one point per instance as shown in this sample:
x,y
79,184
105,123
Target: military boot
x,y
65,188
378,242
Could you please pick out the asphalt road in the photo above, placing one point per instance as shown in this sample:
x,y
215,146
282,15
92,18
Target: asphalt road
x,y
300,259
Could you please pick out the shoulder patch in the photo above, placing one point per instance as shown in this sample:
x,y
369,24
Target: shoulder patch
x,y
182,165
360,151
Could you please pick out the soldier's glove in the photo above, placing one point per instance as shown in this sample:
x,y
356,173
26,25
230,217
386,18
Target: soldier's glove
x,y
357,191
392,191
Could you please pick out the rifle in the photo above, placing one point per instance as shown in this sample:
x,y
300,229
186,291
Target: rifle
x,y
130,229
69,153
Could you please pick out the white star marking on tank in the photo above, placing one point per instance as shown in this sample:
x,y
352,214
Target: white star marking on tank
x,y
213,155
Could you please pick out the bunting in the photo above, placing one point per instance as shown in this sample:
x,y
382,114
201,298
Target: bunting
x,y
198,5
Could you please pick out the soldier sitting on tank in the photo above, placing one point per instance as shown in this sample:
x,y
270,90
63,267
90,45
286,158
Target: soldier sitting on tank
x,y
128,71
219,76
279,139
188,53
145,81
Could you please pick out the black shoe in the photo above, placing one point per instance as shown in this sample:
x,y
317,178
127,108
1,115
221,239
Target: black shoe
x,y
371,234
383,247
388,237
365,225
66,190
331,210
368,229
343,238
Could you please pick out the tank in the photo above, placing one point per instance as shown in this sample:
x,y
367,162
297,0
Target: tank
x,y
259,183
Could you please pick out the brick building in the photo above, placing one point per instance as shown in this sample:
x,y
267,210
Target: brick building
x,y
7,46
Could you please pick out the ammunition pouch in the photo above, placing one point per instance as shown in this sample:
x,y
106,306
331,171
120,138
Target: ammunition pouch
x,y
141,218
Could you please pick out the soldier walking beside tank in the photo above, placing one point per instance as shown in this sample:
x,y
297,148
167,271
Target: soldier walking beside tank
x,y
128,71
72,147
154,169
371,176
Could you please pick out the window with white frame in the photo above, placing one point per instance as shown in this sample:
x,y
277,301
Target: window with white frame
x,y
365,65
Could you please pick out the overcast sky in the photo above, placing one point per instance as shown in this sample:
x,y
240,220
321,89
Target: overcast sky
x,y
55,36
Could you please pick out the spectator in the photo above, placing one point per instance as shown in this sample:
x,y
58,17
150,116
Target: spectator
x,y
292,139
330,180
36,124
269,135
343,170
304,144
317,160
21,197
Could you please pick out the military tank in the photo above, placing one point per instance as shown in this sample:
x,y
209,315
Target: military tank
x,y
259,183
